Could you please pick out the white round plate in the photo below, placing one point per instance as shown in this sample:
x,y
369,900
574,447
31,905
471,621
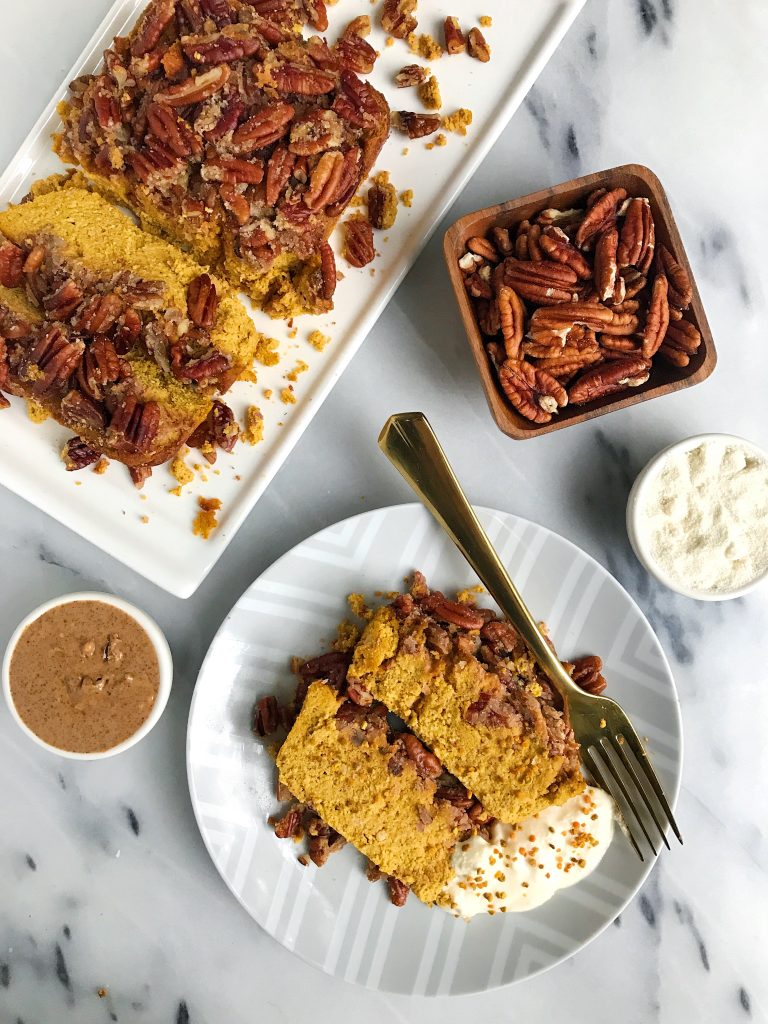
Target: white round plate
x,y
333,917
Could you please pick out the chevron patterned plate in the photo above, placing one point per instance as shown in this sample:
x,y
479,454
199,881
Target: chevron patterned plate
x,y
333,918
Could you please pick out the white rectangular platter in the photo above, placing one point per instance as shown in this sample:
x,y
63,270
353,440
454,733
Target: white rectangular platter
x,y
151,531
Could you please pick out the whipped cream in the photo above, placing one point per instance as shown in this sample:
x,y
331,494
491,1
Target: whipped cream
x,y
524,865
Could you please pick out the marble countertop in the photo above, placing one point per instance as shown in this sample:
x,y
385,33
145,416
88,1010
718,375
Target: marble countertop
x,y
105,881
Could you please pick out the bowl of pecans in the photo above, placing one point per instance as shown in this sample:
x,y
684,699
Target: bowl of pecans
x,y
578,300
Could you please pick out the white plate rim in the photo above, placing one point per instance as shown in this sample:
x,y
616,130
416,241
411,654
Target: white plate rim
x,y
673,796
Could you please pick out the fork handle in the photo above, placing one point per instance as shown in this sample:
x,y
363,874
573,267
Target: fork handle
x,y
410,444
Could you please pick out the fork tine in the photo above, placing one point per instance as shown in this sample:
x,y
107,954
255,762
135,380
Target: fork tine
x,y
610,754
638,782
597,775
631,737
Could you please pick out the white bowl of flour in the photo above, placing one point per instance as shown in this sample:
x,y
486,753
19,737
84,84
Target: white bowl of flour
x,y
697,517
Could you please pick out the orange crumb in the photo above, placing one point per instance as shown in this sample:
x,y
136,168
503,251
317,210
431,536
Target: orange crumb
x,y
205,521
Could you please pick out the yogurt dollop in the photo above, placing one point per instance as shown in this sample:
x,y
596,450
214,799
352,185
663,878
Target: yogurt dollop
x,y
524,865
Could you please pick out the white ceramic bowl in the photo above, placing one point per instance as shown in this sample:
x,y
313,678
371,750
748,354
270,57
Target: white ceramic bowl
x,y
638,536
164,661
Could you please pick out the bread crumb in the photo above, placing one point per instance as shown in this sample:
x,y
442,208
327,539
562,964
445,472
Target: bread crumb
x,y
253,431
406,197
458,121
429,93
102,466
181,472
144,519
287,396
381,178
266,350
356,202
205,521
318,340
389,41
424,46
358,606
440,140
406,151
175,491
268,392
249,376
486,20
468,595
300,367
36,412
101,992
347,636
293,332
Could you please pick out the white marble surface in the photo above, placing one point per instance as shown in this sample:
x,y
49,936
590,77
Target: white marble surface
x,y
105,881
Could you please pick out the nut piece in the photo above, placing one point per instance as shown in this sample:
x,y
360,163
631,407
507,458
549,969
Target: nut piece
x,y
454,37
77,454
638,234
202,301
657,320
196,88
416,126
543,282
477,47
11,265
606,266
683,336
411,74
358,243
382,205
600,215
398,17
511,314
327,271
609,378
587,673
680,289
533,392
556,245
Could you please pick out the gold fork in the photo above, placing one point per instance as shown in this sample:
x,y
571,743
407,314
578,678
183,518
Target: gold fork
x,y
603,730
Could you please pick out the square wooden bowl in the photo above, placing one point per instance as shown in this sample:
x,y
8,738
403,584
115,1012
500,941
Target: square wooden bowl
x,y
664,379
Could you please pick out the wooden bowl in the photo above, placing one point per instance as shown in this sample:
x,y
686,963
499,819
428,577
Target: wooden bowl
x,y
664,379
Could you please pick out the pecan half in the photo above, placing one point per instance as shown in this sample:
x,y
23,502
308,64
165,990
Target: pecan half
x,y
461,615
590,314
301,80
417,126
357,102
477,46
77,454
263,128
674,356
173,130
426,763
279,170
542,282
511,319
11,265
398,17
63,301
359,250
266,716
355,54
587,673
99,314
349,180
382,205
533,392
680,288
202,301
196,88
683,335
606,265
411,74
328,274
315,131
398,891
657,319
454,37
600,215
152,23
218,428
236,203
221,47
557,246
325,180
233,170
56,357
317,14
636,242
78,410
135,424
492,711
100,366
289,825
609,378
483,247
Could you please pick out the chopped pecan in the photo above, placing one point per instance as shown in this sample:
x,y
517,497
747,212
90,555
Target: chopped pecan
x,y
127,331
398,891
477,46
357,102
202,301
587,673
636,242
266,716
359,26
680,288
173,61
135,424
454,37
461,615
425,762
78,410
155,161
289,825
372,873
533,392
501,635
218,428
327,271
315,131
398,17
355,54
358,243
557,246
77,454
227,120
332,667
157,16
317,14
11,265
279,170
606,266
196,88
322,845
511,319
382,205
417,126
263,128
493,711
411,74
173,130
236,203
301,80
34,259
609,378
600,215
657,318
140,475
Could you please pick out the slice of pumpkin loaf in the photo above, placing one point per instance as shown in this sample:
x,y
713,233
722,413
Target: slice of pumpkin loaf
x,y
119,335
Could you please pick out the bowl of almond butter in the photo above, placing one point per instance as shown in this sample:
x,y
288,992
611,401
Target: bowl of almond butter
x,y
578,300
